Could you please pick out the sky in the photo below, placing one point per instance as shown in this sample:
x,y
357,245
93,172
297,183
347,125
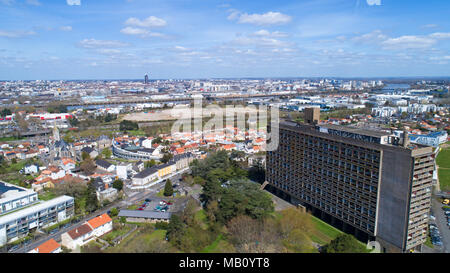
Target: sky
x,y
179,39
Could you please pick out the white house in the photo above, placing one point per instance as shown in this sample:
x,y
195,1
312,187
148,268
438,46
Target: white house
x,y
87,232
146,176
147,143
77,237
101,224
29,169
105,165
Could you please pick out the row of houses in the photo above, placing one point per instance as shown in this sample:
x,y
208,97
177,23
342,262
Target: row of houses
x,y
79,236
154,173
87,232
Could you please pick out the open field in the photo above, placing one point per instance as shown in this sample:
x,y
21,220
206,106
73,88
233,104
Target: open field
x,y
443,161
181,112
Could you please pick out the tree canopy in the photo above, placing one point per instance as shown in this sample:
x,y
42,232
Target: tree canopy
x,y
344,243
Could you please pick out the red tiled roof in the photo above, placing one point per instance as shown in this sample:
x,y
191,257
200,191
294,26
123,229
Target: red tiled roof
x,y
79,231
99,221
48,247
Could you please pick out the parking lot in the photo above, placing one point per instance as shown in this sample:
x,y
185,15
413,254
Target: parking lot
x,y
439,226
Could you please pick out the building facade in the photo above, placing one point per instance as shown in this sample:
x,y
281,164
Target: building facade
x,y
365,182
13,197
17,224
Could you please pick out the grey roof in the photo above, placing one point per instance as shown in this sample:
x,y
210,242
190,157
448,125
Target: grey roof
x,y
145,214
61,144
87,150
146,150
5,188
146,172
103,163
360,131
181,156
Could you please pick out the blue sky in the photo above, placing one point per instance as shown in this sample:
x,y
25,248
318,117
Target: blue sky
x,y
124,39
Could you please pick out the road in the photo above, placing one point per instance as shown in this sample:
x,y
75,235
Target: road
x,y
441,222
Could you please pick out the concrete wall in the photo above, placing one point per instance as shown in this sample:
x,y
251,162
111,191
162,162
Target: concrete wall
x,y
394,195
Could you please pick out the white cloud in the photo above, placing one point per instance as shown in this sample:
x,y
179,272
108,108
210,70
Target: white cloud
x,y
265,33
440,35
66,28
109,51
181,48
440,58
148,22
372,37
93,43
34,2
269,18
74,2
408,42
374,2
430,26
140,32
16,34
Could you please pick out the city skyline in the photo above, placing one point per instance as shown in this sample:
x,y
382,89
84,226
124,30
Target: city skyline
x,y
224,39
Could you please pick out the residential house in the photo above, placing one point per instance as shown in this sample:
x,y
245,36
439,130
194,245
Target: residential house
x,y
101,225
146,176
105,165
30,169
77,237
90,151
50,246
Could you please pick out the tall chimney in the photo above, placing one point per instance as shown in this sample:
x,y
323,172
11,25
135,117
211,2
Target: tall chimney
x,y
405,139
312,115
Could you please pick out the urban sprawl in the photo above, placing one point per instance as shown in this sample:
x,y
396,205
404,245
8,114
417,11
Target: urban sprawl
x,y
97,166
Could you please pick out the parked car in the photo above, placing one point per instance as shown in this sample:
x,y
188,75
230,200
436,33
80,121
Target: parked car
x,y
14,248
54,231
436,242
147,200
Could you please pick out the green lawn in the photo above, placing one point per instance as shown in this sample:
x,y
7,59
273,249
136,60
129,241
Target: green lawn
x,y
323,232
47,195
2,139
444,179
213,245
116,233
136,133
159,234
220,245
200,216
443,161
132,207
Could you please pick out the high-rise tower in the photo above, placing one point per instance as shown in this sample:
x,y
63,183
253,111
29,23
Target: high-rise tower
x,y
369,183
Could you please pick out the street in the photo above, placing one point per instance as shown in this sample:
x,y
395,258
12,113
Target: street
x,y
441,222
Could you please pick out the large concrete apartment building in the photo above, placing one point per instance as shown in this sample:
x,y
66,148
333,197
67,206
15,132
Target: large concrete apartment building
x,y
369,183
